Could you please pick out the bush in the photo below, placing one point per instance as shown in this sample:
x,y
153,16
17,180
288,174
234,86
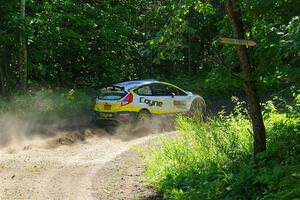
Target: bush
x,y
213,159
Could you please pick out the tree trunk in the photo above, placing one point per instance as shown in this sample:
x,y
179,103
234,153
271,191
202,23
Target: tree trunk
x,y
23,51
2,71
249,85
189,49
2,80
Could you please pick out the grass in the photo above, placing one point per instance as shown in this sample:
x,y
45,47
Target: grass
x,y
213,159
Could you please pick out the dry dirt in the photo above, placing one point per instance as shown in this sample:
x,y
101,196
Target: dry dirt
x,y
81,165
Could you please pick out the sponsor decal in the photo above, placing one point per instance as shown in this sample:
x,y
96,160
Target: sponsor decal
x,y
151,102
105,115
107,107
180,104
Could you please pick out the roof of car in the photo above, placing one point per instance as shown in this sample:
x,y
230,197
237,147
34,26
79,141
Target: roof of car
x,y
128,85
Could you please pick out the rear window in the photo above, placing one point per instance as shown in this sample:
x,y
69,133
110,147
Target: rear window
x,y
111,93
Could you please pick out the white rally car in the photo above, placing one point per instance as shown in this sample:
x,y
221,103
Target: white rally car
x,y
139,100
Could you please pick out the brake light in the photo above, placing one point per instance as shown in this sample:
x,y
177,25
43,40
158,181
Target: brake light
x,y
127,100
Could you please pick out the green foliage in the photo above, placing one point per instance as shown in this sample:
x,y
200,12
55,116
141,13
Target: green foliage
x,y
213,159
219,83
73,43
90,43
81,43
215,84
275,26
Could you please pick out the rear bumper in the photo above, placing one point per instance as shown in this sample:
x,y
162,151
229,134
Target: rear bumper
x,y
115,118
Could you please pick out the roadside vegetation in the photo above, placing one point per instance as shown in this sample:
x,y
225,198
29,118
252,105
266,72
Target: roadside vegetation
x,y
214,159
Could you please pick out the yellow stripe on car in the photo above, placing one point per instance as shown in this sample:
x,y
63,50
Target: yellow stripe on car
x,y
132,108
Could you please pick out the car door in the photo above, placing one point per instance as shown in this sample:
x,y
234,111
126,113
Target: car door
x,y
162,97
147,99
180,99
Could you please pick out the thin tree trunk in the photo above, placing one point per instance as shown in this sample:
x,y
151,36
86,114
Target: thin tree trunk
x,y
189,56
2,71
2,80
249,85
189,50
23,50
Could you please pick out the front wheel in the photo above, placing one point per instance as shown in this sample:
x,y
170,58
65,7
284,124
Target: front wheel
x,y
198,109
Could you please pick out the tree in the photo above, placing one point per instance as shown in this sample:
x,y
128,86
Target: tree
x,y
177,27
23,50
247,70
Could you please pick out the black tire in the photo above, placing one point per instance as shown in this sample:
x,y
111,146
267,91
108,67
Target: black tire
x,y
144,116
198,109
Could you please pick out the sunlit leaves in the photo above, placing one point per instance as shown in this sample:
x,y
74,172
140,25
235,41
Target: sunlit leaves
x,y
204,7
170,40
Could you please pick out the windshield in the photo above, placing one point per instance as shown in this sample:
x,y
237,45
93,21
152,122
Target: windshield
x,y
111,93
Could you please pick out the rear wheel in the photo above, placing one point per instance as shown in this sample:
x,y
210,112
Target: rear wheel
x,y
143,116
143,121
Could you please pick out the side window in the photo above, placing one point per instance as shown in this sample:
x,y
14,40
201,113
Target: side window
x,y
172,90
182,93
144,91
159,90
175,91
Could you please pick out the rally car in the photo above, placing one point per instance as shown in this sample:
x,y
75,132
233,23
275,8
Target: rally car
x,y
135,101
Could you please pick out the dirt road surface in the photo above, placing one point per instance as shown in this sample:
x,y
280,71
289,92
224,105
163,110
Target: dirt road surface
x,y
45,170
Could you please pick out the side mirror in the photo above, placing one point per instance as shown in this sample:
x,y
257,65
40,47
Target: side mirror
x,y
173,94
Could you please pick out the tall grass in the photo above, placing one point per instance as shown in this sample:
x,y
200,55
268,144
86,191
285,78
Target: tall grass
x,y
213,159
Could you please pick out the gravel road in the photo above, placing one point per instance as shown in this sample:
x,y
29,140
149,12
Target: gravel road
x,y
63,169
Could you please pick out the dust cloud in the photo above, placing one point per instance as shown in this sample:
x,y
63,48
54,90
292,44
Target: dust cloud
x,y
34,119
39,125
154,125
